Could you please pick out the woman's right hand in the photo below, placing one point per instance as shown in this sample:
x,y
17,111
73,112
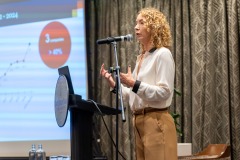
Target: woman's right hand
x,y
104,73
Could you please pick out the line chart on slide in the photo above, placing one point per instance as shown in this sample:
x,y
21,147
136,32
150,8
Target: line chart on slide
x,y
12,96
14,63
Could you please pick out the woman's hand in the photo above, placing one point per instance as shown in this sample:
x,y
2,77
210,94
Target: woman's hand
x,y
104,73
127,78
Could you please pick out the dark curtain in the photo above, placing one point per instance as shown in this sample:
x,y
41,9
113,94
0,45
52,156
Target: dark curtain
x,y
206,52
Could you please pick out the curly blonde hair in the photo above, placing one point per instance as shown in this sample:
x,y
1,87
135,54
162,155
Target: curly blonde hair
x,y
158,26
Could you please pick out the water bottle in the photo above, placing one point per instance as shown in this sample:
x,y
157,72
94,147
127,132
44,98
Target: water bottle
x,y
32,153
40,153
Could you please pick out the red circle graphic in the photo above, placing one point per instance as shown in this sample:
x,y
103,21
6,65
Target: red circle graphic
x,y
54,44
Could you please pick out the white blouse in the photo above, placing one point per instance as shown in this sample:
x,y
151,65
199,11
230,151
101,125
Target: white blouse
x,y
157,81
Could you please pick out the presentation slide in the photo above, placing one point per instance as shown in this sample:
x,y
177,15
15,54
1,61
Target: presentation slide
x,y
36,38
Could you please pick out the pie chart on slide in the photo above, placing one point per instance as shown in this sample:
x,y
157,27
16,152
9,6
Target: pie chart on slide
x,y
54,44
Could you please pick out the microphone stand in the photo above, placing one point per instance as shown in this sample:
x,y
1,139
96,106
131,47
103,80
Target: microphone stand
x,y
118,91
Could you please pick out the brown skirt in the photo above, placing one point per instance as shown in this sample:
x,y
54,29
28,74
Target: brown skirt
x,y
155,136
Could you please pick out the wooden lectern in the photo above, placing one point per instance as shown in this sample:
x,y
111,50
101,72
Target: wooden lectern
x,y
81,116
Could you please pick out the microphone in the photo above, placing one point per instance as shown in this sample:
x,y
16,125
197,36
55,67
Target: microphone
x,y
108,40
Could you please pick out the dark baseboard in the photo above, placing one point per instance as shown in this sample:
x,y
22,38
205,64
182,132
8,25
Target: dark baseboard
x,y
99,158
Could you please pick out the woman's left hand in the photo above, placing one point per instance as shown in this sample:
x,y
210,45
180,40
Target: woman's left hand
x,y
126,78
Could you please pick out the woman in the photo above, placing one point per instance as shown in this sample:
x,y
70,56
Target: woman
x,y
149,89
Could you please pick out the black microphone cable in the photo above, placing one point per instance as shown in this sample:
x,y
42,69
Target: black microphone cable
x,y
101,114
